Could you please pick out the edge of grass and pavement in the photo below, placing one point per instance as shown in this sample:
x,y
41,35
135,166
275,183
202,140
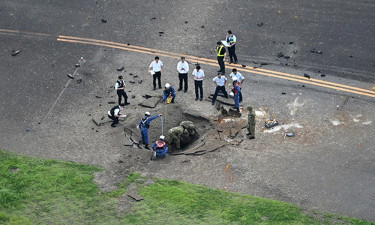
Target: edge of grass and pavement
x,y
43,191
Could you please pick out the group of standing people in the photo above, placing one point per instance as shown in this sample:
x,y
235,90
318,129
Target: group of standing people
x,y
169,94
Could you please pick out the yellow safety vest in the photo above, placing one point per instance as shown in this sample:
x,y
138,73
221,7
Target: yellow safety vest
x,y
218,50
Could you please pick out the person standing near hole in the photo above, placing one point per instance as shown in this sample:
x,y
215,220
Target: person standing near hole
x,y
220,82
198,82
155,68
220,52
144,124
240,79
120,89
183,69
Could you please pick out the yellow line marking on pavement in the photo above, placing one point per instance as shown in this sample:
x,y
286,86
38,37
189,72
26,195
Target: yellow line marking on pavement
x,y
251,69
206,62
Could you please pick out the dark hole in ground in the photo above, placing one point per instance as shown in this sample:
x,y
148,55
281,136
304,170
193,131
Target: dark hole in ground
x,y
173,115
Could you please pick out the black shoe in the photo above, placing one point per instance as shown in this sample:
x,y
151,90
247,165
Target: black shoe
x,y
236,62
185,91
127,103
196,99
179,89
212,103
201,99
146,147
159,87
219,71
154,89
113,125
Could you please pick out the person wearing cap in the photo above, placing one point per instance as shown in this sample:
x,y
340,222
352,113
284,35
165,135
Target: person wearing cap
x,y
220,52
236,94
159,147
183,69
120,89
144,124
168,91
231,40
155,68
198,82
115,113
220,82
240,79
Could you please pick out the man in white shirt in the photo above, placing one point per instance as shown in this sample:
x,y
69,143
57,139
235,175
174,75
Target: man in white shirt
x,y
156,66
220,82
183,69
115,113
231,40
198,82
239,78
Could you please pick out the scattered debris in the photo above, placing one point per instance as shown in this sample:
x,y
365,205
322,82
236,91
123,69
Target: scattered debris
x,y
316,51
307,76
280,55
289,134
130,74
285,127
77,65
133,96
135,196
151,102
79,80
283,93
15,52
271,123
186,22
140,81
287,57
120,68
260,24
161,32
131,81
295,51
263,64
97,96
104,20
322,75
351,56
153,18
70,76
202,26
111,102
185,161
13,169
291,42
303,85
243,65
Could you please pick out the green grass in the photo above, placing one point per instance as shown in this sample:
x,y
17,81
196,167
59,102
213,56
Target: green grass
x,y
54,192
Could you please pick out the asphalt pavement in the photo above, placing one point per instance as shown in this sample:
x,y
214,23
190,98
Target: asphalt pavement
x,y
328,168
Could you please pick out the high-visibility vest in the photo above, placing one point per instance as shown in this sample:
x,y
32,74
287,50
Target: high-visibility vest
x,y
230,39
218,50
160,145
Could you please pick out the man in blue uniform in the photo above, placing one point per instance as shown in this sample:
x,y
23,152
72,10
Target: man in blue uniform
x,y
144,124
168,91
236,91
159,147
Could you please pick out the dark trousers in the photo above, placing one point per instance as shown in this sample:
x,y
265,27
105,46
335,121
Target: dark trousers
x,y
198,84
220,60
183,79
120,94
222,89
115,120
232,53
158,76
240,96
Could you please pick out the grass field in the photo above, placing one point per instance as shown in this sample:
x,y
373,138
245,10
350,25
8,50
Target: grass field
x,y
39,191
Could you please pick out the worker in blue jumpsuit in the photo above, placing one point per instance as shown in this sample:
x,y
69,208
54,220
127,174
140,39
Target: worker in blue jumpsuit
x,y
159,147
168,91
144,124
237,92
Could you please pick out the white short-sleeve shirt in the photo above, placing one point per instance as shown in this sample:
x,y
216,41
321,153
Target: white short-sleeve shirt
x,y
198,75
220,81
156,67
239,76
